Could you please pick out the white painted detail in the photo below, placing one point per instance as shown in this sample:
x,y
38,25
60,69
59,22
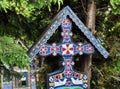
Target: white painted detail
x,y
71,34
85,77
62,33
54,44
60,83
33,79
85,85
80,44
63,63
73,63
54,53
51,79
77,81
51,88
81,53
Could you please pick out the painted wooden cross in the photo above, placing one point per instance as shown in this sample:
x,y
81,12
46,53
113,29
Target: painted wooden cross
x,y
68,77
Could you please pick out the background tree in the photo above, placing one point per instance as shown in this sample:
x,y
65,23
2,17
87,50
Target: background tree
x,y
27,19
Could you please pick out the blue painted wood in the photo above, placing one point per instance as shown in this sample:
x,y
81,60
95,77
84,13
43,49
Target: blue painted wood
x,y
33,86
67,77
57,22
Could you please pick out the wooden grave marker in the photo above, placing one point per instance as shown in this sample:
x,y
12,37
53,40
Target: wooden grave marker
x,y
67,78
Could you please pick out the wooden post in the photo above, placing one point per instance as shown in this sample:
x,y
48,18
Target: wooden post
x,y
90,22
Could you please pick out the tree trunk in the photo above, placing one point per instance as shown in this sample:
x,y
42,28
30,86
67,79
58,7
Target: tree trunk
x,y
91,14
90,23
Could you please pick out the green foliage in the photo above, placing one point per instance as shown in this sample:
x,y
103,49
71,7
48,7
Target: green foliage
x,y
11,54
115,6
27,7
108,30
107,74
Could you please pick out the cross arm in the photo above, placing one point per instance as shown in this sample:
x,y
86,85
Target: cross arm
x,y
87,49
47,50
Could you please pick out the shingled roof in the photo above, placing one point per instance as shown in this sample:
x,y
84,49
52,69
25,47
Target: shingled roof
x,y
56,23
